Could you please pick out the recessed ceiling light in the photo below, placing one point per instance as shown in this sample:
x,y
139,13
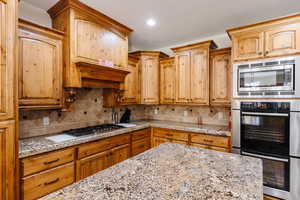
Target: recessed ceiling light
x,y
151,22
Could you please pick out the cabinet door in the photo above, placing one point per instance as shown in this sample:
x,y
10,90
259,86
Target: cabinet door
x,y
120,154
282,40
167,82
248,45
131,84
140,146
7,63
40,70
183,77
199,76
157,141
7,161
92,164
93,42
150,80
220,79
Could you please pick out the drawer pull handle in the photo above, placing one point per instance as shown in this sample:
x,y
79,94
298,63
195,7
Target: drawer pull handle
x,y
141,146
168,134
51,182
142,135
50,162
210,141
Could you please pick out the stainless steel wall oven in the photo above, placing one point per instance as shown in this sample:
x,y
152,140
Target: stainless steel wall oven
x,y
270,130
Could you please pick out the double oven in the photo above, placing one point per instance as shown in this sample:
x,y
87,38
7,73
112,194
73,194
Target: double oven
x,y
270,130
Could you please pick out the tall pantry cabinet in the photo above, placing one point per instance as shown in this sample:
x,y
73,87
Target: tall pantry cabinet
x,y
192,73
8,145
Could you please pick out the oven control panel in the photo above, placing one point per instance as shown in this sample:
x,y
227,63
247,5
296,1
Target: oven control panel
x,y
266,107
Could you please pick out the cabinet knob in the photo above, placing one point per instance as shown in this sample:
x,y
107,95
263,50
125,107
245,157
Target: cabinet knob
x,y
267,52
260,53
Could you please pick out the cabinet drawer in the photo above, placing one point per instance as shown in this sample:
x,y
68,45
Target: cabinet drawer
x,y
210,147
218,141
137,135
102,145
171,134
140,146
46,161
41,184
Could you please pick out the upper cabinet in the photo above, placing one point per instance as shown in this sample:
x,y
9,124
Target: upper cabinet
x,y
268,39
167,80
96,49
149,75
7,60
220,77
132,83
40,67
192,73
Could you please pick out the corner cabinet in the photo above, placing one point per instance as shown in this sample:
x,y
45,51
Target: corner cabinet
x,y
273,38
167,80
149,75
192,73
220,77
40,67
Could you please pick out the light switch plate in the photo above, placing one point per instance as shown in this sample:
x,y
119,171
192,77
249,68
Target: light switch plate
x,y
46,121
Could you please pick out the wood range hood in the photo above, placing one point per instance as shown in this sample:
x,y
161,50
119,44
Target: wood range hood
x,y
94,75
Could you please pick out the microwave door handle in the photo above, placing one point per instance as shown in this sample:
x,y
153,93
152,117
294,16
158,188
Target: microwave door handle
x,y
266,114
265,157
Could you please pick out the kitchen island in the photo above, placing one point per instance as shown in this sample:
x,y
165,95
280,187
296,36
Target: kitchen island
x,y
170,172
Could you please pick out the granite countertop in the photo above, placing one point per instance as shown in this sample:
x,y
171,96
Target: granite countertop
x,y
170,172
37,145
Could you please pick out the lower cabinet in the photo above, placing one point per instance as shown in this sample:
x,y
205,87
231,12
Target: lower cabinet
x,y
48,172
43,183
90,165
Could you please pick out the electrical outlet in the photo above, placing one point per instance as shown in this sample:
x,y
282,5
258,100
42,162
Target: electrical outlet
x,y
220,116
185,113
155,111
46,121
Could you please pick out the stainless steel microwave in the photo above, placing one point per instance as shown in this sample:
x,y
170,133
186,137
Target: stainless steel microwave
x,y
267,78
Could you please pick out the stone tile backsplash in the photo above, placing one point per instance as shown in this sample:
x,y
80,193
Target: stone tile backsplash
x,y
88,110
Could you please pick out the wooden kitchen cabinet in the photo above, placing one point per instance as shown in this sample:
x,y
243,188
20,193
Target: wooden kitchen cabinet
x,y
248,45
96,46
100,161
8,98
141,141
7,60
7,161
41,184
282,40
220,77
90,165
199,76
182,78
167,80
132,83
40,66
273,38
192,73
149,75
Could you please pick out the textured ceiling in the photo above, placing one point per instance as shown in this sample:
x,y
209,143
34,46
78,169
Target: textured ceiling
x,y
184,20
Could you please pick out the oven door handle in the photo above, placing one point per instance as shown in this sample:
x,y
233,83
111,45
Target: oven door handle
x,y
266,114
265,157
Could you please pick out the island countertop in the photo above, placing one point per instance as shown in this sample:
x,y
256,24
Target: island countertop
x,y
172,172
37,145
